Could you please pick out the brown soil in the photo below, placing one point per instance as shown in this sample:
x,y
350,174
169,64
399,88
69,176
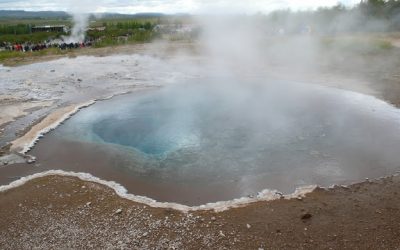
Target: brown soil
x,y
63,212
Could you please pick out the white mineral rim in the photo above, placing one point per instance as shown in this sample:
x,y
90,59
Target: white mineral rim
x,y
27,141
265,195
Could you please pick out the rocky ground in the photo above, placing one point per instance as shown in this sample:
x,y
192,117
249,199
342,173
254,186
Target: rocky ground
x,y
63,212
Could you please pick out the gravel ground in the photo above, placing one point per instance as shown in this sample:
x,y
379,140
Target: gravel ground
x,y
64,212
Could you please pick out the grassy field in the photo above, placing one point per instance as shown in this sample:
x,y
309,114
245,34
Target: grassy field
x,y
111,32
20,57
117,30
105,32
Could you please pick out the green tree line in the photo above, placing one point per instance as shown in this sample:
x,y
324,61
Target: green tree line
x,y
17,29
367,16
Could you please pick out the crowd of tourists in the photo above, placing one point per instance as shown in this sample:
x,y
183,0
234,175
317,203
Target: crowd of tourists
x,y
27,47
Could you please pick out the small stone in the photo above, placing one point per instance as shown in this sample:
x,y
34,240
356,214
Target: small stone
x,y
88,203
145,234
221,234
248,226
31,160
119,210
306,216
213,218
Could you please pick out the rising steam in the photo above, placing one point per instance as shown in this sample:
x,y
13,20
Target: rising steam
x,y
78,32
80,11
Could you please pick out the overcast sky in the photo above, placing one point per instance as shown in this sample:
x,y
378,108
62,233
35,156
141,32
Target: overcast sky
x,y
168,6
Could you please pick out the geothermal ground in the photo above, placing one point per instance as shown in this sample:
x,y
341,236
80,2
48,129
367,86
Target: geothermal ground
x,y
65,212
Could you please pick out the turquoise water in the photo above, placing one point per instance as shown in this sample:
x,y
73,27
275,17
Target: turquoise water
x,y
249,135
147,125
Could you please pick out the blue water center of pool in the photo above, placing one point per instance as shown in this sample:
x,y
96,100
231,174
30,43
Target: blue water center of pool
x,y
245,132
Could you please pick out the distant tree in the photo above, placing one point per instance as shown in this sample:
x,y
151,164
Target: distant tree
x,y
392,11
373,8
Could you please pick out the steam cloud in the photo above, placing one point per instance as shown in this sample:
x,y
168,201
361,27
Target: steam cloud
x,y
78,32
80,11
243,56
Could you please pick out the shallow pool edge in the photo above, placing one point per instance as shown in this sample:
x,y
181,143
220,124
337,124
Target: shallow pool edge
x,y
121,191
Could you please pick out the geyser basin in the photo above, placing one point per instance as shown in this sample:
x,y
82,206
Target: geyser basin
x,y
207,141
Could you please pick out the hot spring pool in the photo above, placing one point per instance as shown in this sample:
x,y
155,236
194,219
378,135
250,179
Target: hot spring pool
x,y
202,142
